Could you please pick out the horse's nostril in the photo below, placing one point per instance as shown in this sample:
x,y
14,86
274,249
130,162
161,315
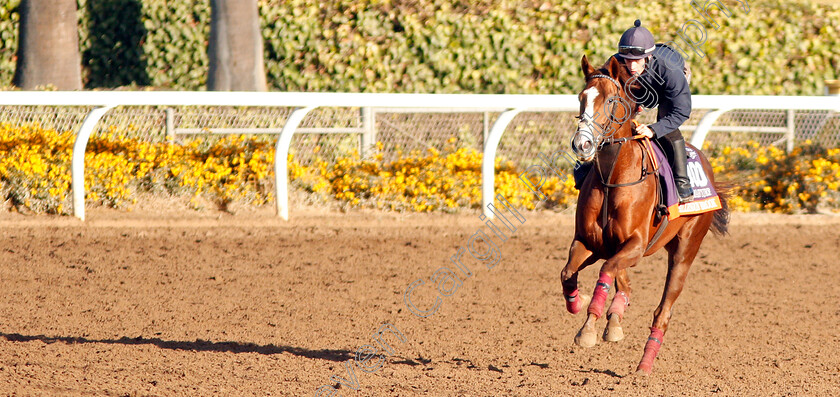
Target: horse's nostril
x,y
586,145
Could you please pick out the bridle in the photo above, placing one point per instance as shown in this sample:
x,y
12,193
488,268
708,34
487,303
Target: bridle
x,y
613,141
584,121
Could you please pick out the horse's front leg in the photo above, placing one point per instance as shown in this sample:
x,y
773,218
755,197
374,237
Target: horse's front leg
x,y
630,253
579,258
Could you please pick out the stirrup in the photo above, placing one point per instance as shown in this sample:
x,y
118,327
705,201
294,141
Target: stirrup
x,y
687,199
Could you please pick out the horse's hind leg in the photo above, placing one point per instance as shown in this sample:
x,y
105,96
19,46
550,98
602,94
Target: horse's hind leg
x,y
614,332
681,252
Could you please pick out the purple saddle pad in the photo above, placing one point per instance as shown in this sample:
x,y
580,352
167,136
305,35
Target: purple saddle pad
x,y
705,196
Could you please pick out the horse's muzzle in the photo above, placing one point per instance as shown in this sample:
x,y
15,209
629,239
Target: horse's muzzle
x,y
583,144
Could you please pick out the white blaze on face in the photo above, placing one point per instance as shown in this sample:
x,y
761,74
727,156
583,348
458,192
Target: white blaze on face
x,y
591,93
583,142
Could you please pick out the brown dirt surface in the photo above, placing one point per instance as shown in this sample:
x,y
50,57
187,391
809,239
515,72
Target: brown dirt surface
x,y
200,303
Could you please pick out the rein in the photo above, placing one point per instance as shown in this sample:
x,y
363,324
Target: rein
x,y
645,174
605,182
613,141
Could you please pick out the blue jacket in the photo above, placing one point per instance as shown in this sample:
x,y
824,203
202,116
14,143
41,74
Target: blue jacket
x,y
663,83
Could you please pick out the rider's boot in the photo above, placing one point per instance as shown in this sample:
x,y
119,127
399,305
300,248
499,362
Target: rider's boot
x,y
680,167
674,146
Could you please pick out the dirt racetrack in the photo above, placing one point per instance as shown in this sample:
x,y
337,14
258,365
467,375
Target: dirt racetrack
x,y
168,304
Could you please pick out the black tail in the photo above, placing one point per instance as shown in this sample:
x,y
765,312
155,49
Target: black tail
x,y
720,223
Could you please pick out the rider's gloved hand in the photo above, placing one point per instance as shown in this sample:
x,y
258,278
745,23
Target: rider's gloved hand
x,y
643,129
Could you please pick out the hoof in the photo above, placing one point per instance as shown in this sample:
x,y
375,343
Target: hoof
x,y
586,337
613,332
642,372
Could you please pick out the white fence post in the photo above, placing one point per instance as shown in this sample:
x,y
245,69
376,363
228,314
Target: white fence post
x,y
790,134
281,160
699,135
369,134
488,161
77,165
170,124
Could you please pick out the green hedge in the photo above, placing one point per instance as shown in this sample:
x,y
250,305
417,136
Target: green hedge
x,y
9,18
481,46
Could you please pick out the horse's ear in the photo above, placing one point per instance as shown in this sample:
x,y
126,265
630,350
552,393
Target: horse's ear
x,y
586,67
614,67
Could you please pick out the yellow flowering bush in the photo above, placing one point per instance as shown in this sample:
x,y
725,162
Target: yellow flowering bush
x,y
427,181
35,174
768,178
35,169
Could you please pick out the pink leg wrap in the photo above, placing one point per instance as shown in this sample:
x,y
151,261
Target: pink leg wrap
x,y
573,301
599,297
619,303
652,346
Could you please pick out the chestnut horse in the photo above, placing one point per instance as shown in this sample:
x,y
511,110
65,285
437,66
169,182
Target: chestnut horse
x,y
616,212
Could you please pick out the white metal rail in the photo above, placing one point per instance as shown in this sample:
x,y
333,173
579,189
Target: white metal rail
x,y
509,105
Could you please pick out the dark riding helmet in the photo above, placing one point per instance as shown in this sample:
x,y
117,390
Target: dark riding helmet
x,y
636,42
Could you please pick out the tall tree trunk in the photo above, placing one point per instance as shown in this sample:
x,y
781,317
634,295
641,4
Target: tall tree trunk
x,y
48,49
236,47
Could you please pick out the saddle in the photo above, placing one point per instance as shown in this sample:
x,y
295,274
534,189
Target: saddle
x,y
705,196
